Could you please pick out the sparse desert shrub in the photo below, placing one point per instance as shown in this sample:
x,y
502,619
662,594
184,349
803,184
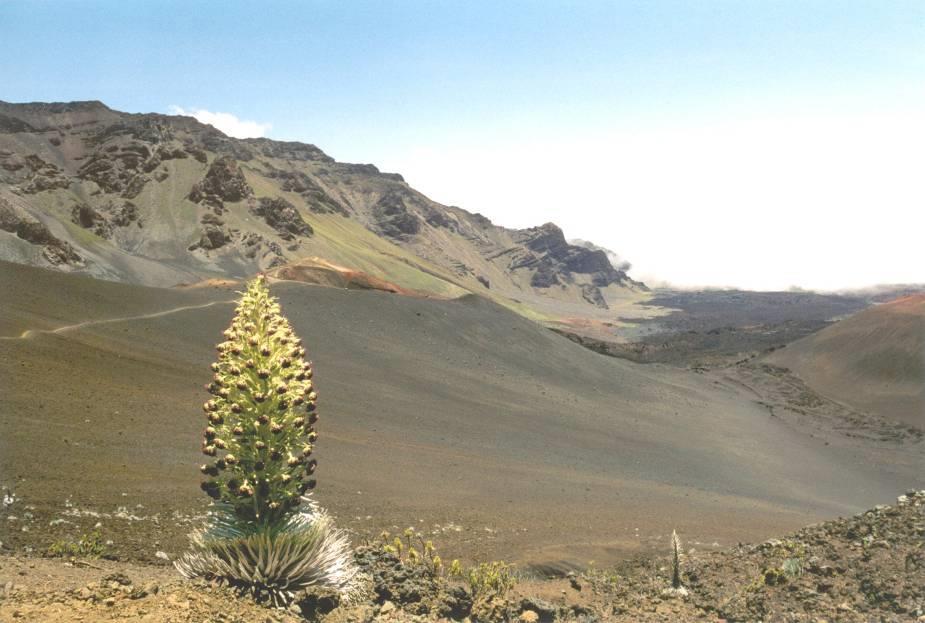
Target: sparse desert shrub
x,y
264,535
490,579
88,545
792,568
414,551
601,580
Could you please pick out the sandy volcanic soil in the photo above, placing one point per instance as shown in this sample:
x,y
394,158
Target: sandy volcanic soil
x,y
874,360
499,437
869,567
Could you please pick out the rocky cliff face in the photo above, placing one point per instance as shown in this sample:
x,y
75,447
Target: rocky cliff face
x,y
159,199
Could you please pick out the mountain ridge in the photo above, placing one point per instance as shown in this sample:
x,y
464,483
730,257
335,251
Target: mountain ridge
x,y
161,199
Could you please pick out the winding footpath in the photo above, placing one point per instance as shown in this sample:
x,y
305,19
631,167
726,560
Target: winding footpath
x,y
89,323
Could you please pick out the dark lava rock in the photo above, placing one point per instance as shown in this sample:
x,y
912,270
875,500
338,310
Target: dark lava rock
x,y
290,150
101,222
124,214
546,239
198,154
60,252
393,219
546,611
439,218
362,169
211,219
315,197
320,202
558,260
253,243
213,237
151,163
135,186
88,218
45,175
213,140
165,153
592,294
54,250
150,129
224,181
12,125
9,219
120,169
114,173
403,584
41,183
455,603
283,217
545,276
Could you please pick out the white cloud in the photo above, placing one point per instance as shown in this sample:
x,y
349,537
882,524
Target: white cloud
x,y
224,121
822,201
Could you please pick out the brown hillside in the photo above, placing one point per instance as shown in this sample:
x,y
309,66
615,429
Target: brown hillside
x,y
873,360
458,416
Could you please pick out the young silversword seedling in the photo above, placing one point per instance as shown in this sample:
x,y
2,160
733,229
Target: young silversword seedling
x,y
264,535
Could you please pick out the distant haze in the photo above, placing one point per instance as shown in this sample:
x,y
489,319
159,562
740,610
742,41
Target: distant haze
x,y
823,201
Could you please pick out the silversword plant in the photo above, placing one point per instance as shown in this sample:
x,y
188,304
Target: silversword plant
x,y
264,536
675,560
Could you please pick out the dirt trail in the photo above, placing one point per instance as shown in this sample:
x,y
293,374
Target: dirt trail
x,y
89,323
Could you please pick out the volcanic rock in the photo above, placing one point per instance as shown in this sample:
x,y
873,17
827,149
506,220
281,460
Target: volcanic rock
x,y
393,219
224,181
283,217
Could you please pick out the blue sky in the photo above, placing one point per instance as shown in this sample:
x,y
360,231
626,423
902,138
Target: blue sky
x,y
614,119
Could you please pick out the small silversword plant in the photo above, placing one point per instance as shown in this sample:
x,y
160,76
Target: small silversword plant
x,y
675,560
264,535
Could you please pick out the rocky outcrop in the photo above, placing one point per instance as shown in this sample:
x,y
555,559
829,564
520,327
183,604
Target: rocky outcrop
x,y
393,218
38,175
55,251
545,276
289,150
12,125
256,246
213,237
317,200
593,295
102,221
554,259
123,214
223,182
198,154
283,217
120,169
89,218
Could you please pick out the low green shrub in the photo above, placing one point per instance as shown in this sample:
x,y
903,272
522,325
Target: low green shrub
x,y
86,546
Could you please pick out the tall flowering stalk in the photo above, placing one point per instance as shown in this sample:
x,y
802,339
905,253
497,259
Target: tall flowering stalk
x,y
262,415
264,536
